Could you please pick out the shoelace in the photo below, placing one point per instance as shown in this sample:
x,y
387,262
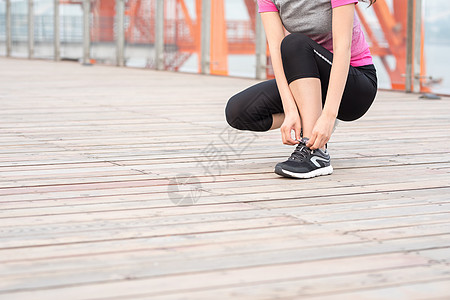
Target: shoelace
x,y
301,152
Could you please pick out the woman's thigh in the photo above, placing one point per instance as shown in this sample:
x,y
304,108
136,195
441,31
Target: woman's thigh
x,y
303,57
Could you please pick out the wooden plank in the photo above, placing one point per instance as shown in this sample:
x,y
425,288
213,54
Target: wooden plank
x,y
87,211
214,199
306,234
307,205
283,271
79,215
153,231
392,233
272,183
336,287
421,290
288,248
271,199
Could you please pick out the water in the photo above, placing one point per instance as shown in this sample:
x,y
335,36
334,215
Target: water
x,y
437,66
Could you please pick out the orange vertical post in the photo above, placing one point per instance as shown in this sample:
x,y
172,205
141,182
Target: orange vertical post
x,y
219,41
198,33
107,11
397,43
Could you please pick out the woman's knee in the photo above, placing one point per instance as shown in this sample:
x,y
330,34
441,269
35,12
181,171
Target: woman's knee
x,y
233,112
355,103
252,108
292,44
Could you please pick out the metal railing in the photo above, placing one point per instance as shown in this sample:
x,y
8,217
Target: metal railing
x,y
29,30
159,37
43,31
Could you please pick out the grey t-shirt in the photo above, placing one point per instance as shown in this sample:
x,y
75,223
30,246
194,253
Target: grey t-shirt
x,y
311,17
314,19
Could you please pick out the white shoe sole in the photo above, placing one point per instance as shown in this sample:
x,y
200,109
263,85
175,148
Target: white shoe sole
x,y
319,172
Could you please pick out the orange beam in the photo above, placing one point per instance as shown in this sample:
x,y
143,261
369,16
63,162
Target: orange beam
x,y
133,13
251,9
219,41
188,20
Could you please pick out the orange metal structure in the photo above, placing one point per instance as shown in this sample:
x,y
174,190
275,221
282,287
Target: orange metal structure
x,y
183,32
394,27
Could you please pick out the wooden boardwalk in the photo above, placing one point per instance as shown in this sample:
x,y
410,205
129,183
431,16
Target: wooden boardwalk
x,y
96,164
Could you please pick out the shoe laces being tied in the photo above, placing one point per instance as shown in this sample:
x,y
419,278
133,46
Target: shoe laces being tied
x,y
301,152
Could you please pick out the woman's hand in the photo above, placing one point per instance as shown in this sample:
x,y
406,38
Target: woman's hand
x,y
291,121
342,28
322,131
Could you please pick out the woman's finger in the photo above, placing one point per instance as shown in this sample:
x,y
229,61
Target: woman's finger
x,y
285,133
282,137
297,132
316,144
320,142
312,139
289,137
317,141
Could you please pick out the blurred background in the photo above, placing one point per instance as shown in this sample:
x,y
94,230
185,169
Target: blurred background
x,y
409,38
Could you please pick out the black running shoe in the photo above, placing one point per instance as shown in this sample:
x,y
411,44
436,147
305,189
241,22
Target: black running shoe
x,y
305,163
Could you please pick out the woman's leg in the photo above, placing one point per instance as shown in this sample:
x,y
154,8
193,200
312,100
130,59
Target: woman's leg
x,y
307,94
307,67
257,108
278,120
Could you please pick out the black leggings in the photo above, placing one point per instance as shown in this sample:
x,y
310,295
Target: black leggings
x,y
302,57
